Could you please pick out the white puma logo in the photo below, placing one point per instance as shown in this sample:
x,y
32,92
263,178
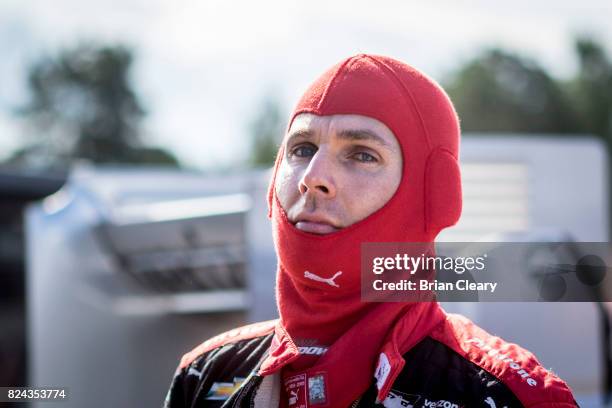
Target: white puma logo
x,y
329,281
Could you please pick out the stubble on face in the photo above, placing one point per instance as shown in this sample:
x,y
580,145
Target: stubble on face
x,y
336,171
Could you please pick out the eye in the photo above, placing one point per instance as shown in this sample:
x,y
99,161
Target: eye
x,y
365,157
303,150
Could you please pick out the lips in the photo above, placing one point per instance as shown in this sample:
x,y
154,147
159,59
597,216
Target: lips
x,y
315,225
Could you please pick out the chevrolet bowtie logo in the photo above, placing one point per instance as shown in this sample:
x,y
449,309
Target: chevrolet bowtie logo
x,y
223,390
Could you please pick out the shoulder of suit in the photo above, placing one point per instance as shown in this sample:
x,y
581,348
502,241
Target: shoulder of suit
x,y
247,332
513,365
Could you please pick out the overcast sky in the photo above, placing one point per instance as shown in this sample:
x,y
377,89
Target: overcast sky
x,y
202,66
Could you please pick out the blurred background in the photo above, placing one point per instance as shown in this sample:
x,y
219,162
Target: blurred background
x,y
136,139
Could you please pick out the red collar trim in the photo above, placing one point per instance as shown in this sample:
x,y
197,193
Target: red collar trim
x,y
405,335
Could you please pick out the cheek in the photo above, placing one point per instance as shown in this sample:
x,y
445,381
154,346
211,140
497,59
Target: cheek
x,y
286,186
366,195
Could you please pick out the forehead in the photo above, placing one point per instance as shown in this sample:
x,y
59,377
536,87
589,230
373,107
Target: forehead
x,y
309,123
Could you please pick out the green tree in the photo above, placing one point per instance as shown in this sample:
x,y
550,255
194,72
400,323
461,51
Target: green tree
x,y
266,131
82,106
498,91
591,89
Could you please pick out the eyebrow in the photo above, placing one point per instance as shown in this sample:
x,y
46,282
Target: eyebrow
x,y
362,134
347,134
300,134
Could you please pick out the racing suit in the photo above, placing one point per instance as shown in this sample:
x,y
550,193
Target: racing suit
x,y
456,364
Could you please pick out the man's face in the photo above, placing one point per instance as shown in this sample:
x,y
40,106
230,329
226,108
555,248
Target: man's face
x,y
336,170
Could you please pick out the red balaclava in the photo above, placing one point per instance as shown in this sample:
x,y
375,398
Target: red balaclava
x,y
330,313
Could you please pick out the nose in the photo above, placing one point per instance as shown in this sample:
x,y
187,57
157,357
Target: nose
x,y
318,177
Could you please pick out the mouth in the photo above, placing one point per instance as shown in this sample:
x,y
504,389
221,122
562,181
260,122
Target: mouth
x,y
315,225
